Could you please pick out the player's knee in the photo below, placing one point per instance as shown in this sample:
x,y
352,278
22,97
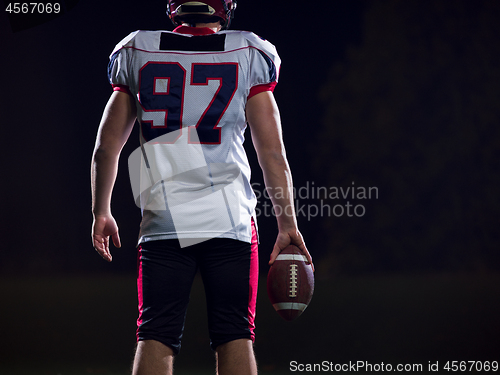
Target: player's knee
x,y
237,344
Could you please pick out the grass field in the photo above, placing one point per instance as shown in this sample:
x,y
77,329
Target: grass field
x,y
82,325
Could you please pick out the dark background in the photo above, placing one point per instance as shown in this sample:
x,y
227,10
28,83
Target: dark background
x,y
398,95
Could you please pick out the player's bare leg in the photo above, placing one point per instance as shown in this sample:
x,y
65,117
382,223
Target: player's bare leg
x,y
236,358
153,358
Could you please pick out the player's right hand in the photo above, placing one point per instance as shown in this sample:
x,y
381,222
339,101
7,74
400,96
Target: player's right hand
x,y
105,226
286,238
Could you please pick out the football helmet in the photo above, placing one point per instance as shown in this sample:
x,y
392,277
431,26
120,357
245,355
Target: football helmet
x,y
204,11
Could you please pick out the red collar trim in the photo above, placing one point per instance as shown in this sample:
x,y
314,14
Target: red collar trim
x,y
193,30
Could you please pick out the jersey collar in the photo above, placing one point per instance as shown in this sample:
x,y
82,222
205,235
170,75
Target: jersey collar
x,y
193,30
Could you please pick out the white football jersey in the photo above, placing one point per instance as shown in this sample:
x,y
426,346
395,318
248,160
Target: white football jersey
x,y
191,176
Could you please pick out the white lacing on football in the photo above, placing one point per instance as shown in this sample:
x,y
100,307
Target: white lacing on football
x,y
293,281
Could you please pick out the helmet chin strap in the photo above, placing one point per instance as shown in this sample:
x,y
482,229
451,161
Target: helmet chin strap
x,y
229,13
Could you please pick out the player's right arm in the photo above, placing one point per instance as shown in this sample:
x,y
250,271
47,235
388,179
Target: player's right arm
x,y
116,125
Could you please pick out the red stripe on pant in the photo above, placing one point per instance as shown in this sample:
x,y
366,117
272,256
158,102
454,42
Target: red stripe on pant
x,y
253,281
140,295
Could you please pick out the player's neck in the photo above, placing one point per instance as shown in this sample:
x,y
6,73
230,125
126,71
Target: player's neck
x,y
215,26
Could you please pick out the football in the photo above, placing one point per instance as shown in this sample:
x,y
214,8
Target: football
x,y
290,283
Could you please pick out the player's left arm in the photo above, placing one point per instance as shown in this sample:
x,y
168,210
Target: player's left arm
x,y
265,125
116,125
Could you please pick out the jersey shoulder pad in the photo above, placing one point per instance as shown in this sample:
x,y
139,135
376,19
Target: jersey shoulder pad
x,y
128,40
141,39
256,41
250,39
253,40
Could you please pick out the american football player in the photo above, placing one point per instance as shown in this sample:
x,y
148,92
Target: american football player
x,y
192,92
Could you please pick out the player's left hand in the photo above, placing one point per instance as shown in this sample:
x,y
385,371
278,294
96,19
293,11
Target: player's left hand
x,y
105,226
286,238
